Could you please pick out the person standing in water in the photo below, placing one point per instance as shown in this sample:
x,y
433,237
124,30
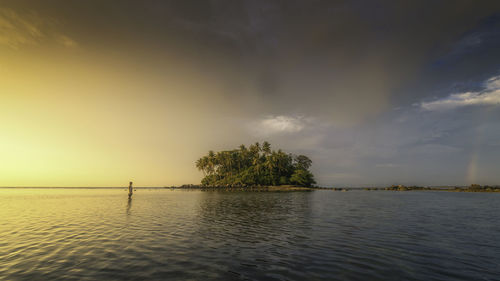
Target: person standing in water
x,y
130,190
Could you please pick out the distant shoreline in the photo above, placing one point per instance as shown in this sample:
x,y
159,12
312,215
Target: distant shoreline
x,y
286,188
472,188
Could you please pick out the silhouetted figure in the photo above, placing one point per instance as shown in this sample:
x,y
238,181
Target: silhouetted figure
x,y
130,190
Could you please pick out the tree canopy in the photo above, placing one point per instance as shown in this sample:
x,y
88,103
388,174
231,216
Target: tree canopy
x,y
253,166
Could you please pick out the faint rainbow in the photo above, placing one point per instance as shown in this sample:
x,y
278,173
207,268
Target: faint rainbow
x,y
474,158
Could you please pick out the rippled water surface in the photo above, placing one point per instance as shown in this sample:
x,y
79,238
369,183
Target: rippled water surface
x,y
98,234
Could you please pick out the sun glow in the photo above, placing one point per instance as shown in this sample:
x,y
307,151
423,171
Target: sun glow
x,y
69,123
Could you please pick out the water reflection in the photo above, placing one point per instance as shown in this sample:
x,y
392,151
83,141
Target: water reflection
x,y
254,232
129,205
271,211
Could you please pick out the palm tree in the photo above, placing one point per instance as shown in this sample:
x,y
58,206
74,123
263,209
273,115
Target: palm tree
x,y
266,148
246,167
199,165
303,162
211,162
242,156
270,164
230,162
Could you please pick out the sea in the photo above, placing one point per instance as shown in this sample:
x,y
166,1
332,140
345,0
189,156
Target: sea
x,y
164,234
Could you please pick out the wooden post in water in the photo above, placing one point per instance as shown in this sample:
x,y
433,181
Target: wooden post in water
x,y
130,190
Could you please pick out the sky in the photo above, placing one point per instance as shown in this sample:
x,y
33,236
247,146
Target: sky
x,y
97,93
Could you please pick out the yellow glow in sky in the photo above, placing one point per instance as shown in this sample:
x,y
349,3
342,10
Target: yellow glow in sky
x,y
70,118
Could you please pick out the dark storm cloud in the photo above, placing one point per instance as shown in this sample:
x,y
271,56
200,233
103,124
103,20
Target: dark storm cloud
x,y
464,65
307,57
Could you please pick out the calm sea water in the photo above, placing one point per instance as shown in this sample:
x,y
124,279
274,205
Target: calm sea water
x,y
96,234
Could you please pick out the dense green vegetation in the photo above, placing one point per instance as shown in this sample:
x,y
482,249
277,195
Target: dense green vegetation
x,y
255,166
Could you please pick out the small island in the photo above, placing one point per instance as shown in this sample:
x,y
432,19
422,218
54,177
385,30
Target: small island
x,y
254,167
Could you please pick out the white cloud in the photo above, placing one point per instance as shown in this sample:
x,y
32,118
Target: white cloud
x,y
281,124
489,96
